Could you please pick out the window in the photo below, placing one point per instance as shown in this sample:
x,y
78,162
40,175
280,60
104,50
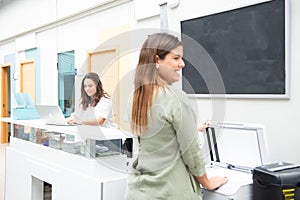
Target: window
x,y
66,80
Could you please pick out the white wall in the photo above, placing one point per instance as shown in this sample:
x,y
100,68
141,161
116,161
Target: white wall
x,y
280,116
26,15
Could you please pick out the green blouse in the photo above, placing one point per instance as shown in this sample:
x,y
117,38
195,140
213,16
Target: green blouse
x,y
169,152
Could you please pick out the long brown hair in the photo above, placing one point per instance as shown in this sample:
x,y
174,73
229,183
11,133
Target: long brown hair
x,y
92,101
147,80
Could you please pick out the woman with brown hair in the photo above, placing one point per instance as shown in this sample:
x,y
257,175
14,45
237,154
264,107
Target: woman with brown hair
x,y
169,163
95,105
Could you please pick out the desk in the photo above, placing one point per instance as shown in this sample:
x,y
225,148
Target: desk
x,y
80,131
72,176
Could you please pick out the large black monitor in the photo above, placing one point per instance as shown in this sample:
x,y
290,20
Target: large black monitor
x,y
248,46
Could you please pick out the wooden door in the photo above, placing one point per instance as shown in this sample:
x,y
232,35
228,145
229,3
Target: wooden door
x,y
107,66
5,88
27,78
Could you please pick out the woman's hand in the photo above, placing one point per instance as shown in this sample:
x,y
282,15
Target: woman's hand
x,y
73,120
204,124
212,183
216,182
70,120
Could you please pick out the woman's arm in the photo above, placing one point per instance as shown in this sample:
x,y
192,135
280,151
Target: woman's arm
x,y
73,119
211,183
189,144
96,122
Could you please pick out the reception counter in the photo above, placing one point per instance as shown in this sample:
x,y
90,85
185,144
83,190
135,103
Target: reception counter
x,y
31,162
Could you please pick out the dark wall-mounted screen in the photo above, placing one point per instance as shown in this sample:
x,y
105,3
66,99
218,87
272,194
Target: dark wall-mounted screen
x,y
247,45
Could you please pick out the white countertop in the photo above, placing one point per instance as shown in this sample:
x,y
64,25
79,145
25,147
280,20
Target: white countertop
x,y
79,131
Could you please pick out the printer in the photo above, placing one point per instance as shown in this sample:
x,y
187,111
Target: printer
x,y
233,150
277,181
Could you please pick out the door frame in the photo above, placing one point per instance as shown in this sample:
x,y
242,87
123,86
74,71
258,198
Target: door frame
x,y
4,100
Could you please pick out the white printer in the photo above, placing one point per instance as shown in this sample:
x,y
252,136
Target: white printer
x,y
234,150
